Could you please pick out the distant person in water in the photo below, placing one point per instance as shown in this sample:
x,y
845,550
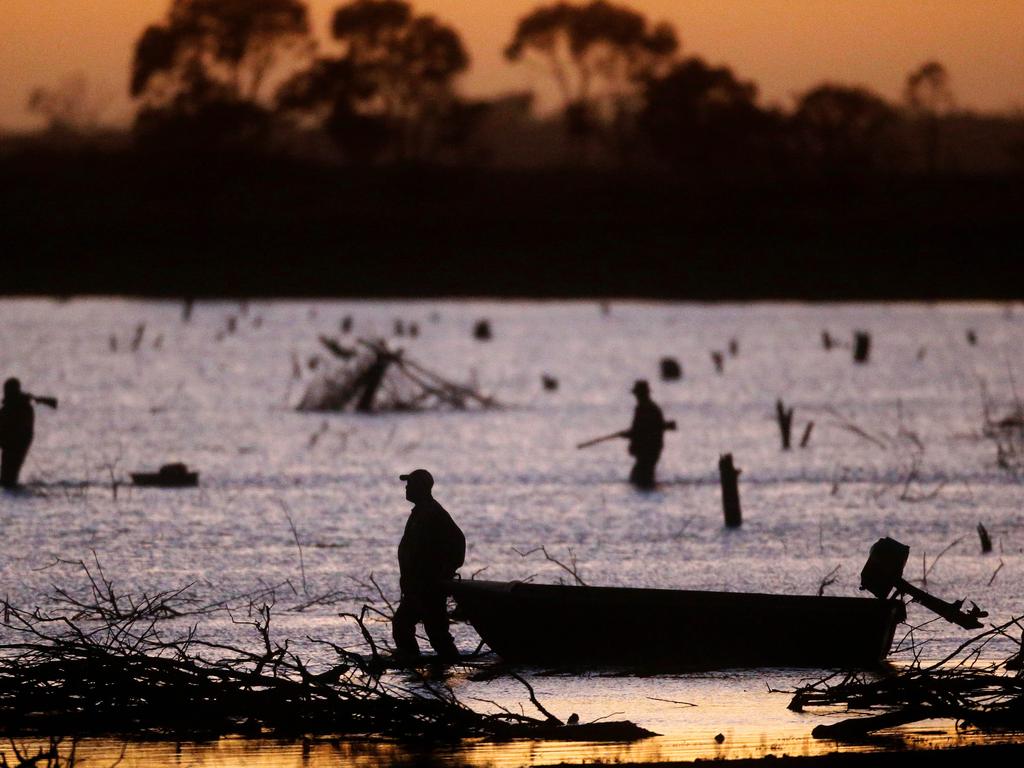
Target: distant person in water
x,y
646,436
432,549
17,427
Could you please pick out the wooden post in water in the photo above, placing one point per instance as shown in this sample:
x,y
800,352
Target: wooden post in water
x,y
986,540
719,361
670,369
729,476
861,346
785,418
807,434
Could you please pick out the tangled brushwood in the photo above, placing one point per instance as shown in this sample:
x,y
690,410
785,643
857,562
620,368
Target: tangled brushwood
x,y
962,687
106,664
373,378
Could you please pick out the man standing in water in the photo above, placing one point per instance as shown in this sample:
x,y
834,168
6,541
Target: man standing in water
x,y
432,549
17,427
646,436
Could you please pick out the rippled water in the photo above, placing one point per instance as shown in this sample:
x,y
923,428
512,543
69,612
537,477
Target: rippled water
x,y
222,402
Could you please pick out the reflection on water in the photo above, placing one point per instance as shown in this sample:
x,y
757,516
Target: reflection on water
x,y
304,753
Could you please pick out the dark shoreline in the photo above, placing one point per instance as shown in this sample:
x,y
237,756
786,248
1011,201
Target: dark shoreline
x,y
987,755
93,222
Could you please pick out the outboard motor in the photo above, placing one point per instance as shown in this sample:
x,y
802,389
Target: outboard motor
x,y
883,573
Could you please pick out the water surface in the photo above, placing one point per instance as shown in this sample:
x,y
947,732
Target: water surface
x,y
223,403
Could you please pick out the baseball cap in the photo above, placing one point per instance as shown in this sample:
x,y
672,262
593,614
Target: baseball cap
x,y
418,477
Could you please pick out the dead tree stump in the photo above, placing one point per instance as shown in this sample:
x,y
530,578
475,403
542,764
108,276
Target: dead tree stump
x,y
729,476
719,360
482,330
861,346
670,369
140,332
785,418
986,540
807,434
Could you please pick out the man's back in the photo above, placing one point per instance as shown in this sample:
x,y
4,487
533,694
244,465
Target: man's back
x,y
432,547
17,421
648,430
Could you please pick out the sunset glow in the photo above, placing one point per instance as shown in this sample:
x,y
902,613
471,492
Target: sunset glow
x,y
785,46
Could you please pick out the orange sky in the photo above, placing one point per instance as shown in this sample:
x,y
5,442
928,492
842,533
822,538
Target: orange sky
x,y
784,45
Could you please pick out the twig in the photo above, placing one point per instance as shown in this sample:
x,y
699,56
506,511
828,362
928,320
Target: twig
x,y
298,544
570,569
533,699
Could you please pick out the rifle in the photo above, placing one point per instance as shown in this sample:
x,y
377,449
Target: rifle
x,y
50,402
596,440
669,427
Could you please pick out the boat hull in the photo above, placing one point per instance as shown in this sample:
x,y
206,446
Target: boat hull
x,y
659,628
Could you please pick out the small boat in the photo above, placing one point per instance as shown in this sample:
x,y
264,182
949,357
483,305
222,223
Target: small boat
x,y
169,476
575,626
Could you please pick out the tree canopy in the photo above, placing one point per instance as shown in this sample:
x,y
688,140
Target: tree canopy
x,y
597,52
392,84
843,128
215,47
702,118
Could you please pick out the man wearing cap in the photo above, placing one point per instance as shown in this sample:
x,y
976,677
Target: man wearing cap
x,y
17,425
432,549
646,436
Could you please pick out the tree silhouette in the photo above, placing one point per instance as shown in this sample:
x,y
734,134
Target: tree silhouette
x,y
208,62
68,107
598,55
391,88
702,120
929,97
843,129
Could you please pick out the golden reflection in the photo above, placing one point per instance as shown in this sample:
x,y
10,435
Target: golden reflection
x,y
314,753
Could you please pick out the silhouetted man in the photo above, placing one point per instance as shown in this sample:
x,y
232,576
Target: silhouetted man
x,y
646,436
17,427
432,550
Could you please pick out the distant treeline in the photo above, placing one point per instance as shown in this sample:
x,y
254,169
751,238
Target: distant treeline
x,y
260,163
249,75
98,222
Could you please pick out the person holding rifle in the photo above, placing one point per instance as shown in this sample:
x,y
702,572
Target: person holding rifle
x,y
17,428
646,436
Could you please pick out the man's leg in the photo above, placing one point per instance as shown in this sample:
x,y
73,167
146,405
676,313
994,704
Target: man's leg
x,y
403,626
10,465
435,621
642,475
635,473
